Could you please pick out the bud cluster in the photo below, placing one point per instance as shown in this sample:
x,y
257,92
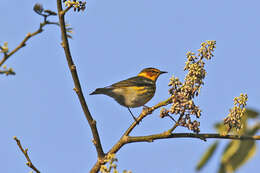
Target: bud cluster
x,y
184,93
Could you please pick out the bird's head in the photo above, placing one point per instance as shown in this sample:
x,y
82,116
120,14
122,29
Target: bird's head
x,y
151,73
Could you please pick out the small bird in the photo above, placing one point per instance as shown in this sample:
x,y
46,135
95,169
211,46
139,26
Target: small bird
x,y
135,91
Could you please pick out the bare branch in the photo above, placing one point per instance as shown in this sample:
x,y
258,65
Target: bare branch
x,y
202,136
23,43
77,89
25,153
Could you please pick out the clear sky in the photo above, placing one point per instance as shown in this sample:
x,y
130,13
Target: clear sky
x,y
114,40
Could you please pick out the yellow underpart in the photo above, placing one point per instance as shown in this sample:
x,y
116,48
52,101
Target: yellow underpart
x,y
130,90
139,90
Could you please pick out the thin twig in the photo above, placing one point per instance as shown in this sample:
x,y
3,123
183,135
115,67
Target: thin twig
x,y
7,72
77,89
66,10
25,153
23,43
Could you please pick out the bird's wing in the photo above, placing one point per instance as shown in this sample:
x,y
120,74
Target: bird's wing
x,y
134,81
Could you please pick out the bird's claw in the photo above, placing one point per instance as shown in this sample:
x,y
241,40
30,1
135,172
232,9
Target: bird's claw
x,y
147,110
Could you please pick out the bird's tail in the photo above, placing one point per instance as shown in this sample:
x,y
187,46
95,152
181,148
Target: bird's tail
x,y
101,91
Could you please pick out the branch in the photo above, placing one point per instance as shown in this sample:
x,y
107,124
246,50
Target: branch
x,y
123,140
25,153
23,43
77,89
166,135
145,112
126,139
202,136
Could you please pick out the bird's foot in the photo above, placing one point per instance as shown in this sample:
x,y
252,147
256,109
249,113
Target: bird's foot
x,y
147,110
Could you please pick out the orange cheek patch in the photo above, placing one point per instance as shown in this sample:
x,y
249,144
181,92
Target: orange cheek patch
x,y
149,74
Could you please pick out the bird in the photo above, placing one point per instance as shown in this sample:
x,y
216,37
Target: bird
x,y
135,91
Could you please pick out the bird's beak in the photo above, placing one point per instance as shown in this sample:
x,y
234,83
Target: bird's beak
x,y
161,72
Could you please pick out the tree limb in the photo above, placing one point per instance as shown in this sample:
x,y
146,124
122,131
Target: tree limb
x,y
77,89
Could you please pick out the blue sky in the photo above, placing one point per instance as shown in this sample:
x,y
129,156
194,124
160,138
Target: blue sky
x,y
114,40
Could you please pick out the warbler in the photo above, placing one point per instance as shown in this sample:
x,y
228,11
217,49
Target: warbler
x,y
135,91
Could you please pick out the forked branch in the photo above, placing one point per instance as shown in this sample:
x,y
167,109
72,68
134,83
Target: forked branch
x,y
23,42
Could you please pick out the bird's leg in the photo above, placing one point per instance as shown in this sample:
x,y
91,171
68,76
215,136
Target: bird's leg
x,y
171,118
132,115
146,107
